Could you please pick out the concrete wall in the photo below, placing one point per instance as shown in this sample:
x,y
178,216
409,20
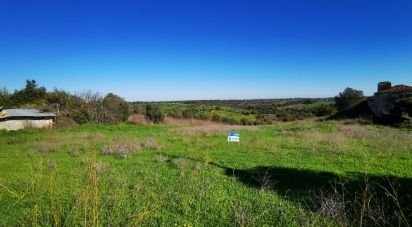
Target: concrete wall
x,y
386,104
383,104
20,124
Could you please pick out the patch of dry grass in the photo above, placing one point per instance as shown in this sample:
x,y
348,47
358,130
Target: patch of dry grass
x,y
75,143
212,129
388,139
46,146
188,122
356,131
334,140
122,150
180,163
150,143
101,167
124,146
340,139
138,119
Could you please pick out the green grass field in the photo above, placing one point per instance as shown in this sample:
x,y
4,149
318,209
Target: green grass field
x,y
287,174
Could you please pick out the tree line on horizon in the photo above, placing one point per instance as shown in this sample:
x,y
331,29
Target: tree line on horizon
x,y
93,107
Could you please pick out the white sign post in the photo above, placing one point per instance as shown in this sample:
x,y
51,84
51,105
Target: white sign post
x,y
233,137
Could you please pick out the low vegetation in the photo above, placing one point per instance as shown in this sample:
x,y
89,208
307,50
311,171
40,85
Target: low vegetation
x,y
91,107
244,112
310,173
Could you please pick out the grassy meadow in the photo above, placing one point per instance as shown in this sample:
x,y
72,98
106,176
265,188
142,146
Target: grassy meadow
x,y
311,173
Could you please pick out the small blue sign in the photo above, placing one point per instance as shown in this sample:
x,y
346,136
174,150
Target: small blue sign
x,y
233,137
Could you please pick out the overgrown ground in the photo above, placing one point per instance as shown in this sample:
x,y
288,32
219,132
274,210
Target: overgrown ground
x,y
299,173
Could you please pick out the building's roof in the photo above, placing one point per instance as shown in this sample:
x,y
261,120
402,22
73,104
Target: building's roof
x,y
398,88
6,113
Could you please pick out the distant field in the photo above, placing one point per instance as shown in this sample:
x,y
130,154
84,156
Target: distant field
x,y
287,174
246,112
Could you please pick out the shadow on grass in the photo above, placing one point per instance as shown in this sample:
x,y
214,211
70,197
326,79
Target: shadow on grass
x,y
382,200
355,199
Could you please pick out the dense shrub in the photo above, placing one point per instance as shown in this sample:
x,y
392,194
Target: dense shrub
x,y
176,113
245,121
187,113
216,117
154,113
137,108
201,115
64,122
4,98
323,110
230,120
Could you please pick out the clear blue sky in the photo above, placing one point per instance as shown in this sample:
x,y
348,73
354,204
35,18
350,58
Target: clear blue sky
x,y
206,49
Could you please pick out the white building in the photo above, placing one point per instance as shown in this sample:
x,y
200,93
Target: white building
x,y
15,119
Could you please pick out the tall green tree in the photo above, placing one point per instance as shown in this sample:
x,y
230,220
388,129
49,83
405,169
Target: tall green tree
x,y
117,107
347,98
32,94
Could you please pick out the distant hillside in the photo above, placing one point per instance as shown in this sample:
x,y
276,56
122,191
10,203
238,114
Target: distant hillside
x,y
246,112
